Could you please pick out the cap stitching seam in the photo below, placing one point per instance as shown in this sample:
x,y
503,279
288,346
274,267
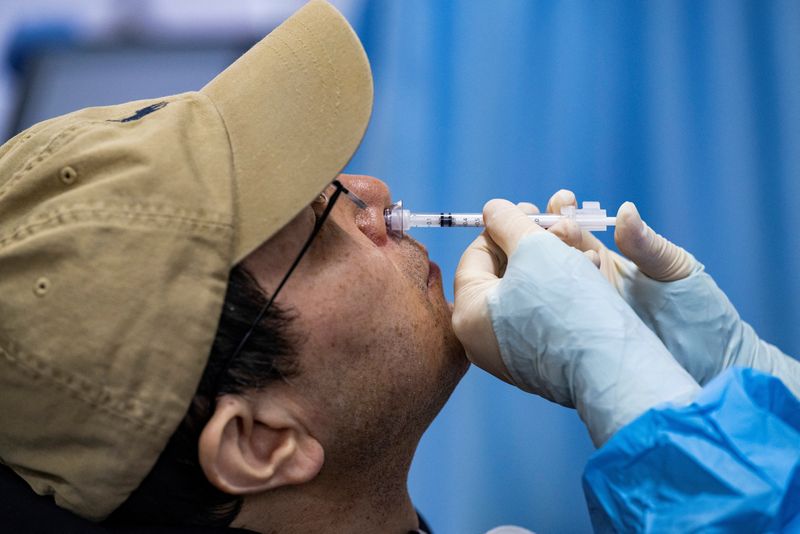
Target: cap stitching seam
x,y
145,208
60,139
79,213
286,64
83,389
24,137
234,183
294,55
52,145
301,42
231,169
222,120
333,69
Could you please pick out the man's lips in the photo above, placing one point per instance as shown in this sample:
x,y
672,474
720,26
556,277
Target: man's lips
x,y
417,260
434,273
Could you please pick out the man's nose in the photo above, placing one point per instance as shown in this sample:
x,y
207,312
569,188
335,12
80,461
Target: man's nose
x,y
377,197
369,189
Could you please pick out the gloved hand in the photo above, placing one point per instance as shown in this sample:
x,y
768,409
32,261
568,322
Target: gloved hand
x,y
676,298
538,314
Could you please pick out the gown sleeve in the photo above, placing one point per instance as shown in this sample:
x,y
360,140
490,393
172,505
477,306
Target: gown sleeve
x,y
729,461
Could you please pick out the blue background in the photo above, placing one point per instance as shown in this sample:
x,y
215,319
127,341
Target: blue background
x,y
689,109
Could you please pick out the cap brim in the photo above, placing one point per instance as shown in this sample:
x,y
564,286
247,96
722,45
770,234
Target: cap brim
x,y
295,106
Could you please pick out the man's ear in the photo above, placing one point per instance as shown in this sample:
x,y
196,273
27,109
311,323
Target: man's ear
x,y
250,446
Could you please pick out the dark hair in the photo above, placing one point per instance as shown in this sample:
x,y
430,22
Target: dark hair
x,y
176,491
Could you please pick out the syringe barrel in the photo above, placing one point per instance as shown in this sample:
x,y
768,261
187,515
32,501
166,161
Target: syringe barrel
x,y
398,220
475,220
469,220
446,220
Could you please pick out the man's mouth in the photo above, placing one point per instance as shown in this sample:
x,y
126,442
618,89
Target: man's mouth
x,y
434,273
418,263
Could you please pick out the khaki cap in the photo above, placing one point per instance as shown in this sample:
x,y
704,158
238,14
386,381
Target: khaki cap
x,y
118,228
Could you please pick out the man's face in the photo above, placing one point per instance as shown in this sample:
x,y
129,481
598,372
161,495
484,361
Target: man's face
x,y
377,356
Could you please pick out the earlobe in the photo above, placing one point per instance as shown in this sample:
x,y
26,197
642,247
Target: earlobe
x,y
249,448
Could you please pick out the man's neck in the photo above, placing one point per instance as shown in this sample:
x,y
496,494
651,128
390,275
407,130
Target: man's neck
x,y
352,507
362,491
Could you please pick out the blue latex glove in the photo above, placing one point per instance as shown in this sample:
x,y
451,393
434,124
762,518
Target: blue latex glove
x,y
548,322
677,299
728,462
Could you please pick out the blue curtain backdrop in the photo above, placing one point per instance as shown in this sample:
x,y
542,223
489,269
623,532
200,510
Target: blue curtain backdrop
x,y
690,109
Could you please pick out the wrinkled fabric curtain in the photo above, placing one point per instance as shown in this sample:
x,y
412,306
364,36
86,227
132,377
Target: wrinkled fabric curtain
x,y
689,109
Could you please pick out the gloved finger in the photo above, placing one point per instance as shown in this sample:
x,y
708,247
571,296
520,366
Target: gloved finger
x,y
569,232
506,224
573,236
560,199
655,256
593,256
528,208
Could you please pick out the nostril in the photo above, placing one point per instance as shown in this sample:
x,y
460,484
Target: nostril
x,y
375,195
371,223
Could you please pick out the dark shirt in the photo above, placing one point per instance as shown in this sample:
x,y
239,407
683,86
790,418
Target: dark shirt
x,y
22,511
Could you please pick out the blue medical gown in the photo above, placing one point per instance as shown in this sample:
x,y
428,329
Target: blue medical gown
x,y
730,461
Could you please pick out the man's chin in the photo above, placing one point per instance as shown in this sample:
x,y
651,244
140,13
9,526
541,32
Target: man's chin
x,y
458,356
457,367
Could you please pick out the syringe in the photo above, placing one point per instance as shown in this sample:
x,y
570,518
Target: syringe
x,y
589,216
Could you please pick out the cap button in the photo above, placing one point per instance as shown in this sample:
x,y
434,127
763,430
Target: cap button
x,y
68,175
41,287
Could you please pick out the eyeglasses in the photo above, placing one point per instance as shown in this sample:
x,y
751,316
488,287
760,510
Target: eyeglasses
x,y
340,189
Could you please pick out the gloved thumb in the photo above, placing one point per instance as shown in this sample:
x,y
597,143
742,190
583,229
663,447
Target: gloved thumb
x,y
654,255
